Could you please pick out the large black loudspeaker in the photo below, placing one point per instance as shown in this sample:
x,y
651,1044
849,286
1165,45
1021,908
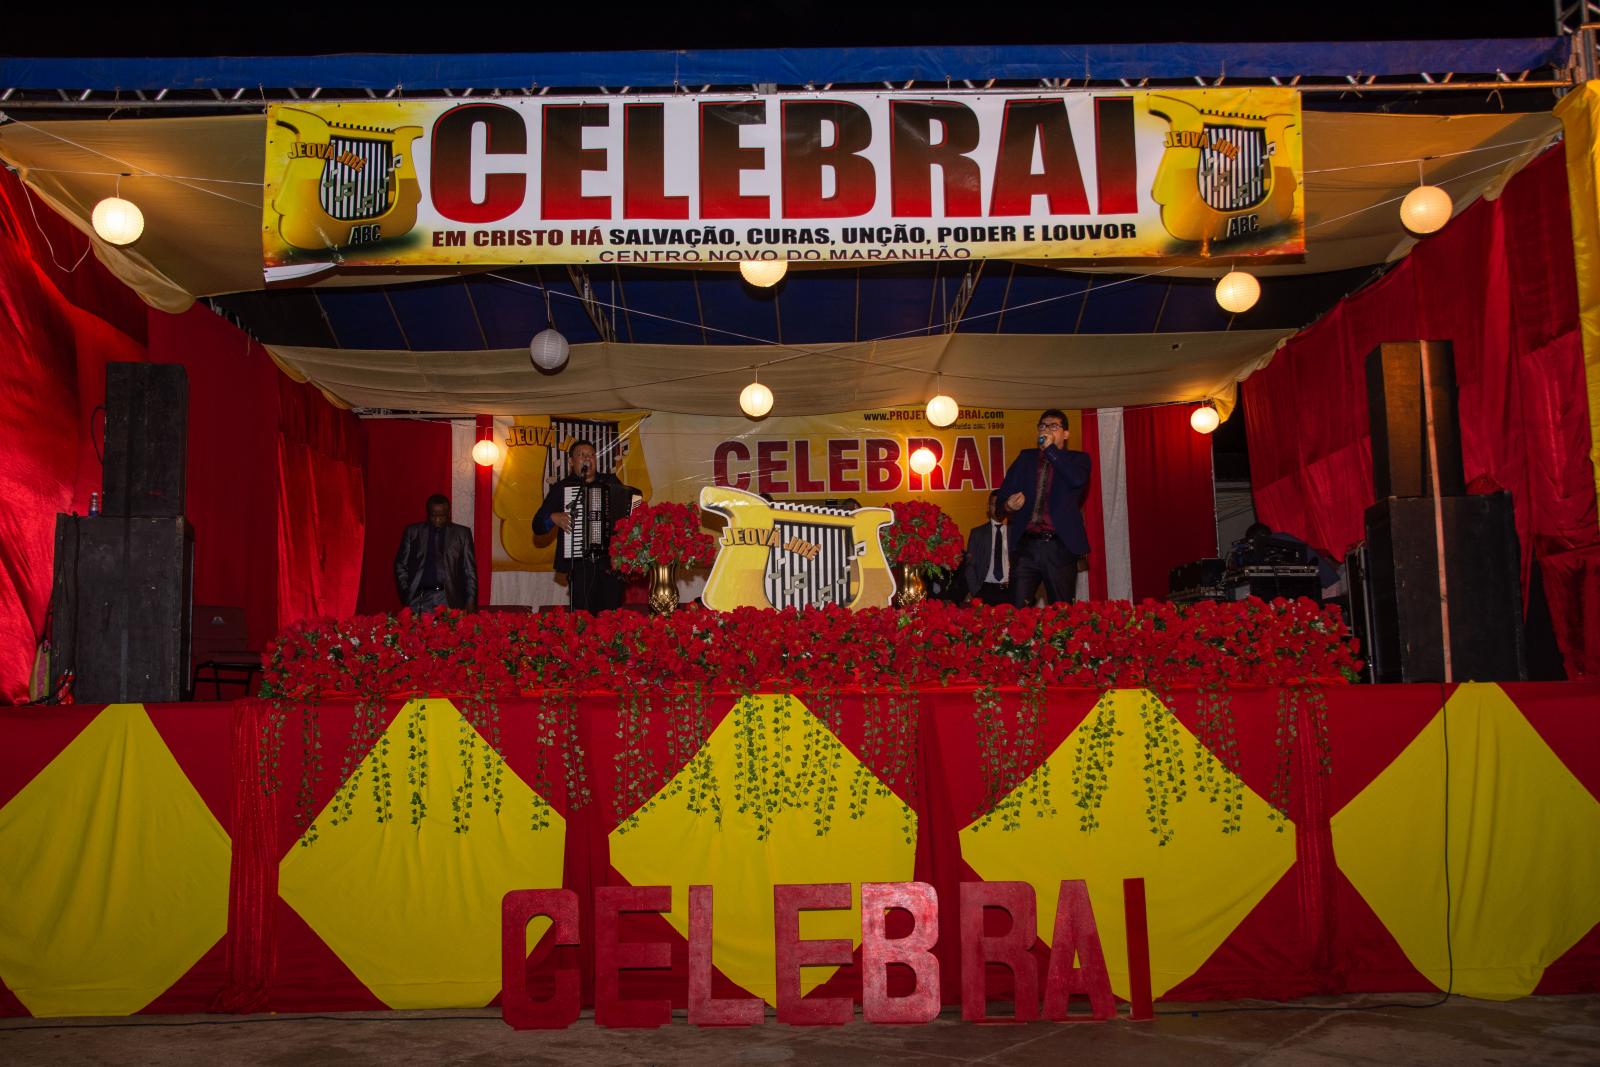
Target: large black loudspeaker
x,y
1481,583
1406,584
121,601
147,409
121,606
1400,463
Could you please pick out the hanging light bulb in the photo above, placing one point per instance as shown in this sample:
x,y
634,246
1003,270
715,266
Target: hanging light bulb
x,y
755,400
942,410
549,349
763,273
1238,291
117,221
923,460
1425,210
1204,419
486,453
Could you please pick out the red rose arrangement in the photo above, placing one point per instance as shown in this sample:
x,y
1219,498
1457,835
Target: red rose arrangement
x,y
661,533
923,538
1105,645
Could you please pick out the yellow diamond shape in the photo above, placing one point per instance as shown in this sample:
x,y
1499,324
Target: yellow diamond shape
x,y
116,873
1198,886
414,911
673,845
1524,869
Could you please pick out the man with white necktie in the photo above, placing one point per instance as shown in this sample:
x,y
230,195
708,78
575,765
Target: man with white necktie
x,y
987,569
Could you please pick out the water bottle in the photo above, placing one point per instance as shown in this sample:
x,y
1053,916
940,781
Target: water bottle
x,y
94,504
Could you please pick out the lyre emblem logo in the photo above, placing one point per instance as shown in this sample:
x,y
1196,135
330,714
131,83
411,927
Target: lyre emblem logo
x,y
345,184
795,555
1227,179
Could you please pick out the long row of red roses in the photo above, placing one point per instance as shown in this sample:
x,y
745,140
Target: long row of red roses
x,y
1098,645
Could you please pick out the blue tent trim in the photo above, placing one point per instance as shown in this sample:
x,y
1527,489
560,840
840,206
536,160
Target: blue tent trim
x,y
789,67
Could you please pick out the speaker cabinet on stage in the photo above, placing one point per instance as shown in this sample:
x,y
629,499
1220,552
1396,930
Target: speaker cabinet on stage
x,y
121,605
147,414
1400,464
1405,642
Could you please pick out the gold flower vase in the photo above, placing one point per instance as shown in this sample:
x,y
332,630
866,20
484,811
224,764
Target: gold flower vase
x,y
912,590
663,588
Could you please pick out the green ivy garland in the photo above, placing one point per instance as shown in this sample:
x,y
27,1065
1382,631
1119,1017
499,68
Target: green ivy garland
x,y
1092,759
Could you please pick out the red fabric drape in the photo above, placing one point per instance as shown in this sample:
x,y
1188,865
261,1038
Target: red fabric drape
x,y
407,462
58,329
321,505
52,375
1094,521
232,472
1498,282
1172,510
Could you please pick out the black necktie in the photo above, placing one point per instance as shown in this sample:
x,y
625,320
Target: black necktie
x,y
995,533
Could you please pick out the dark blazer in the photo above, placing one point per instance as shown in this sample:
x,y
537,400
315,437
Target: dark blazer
x,y
980,553
1067,486
458,564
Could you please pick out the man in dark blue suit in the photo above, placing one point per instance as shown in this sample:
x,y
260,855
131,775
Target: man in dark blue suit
x,y
1043,493
986,572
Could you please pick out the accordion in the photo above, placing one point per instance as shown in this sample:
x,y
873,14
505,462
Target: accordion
x,y
593,509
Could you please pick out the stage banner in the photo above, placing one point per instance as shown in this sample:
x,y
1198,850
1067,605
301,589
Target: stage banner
x,y
853,459
810,178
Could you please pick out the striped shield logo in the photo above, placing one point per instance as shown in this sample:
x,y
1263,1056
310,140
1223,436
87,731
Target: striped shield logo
x,y
797,578
355,181
603,434
1235,170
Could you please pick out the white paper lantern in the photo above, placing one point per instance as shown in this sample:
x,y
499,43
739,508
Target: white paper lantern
x,y
923,460
486,453
1204,419
1425,209
763,273
756,400
942,410
549,349
1238,291
117,221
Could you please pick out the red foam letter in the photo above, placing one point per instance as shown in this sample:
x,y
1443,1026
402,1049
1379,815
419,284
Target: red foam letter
x,y
704,1009
1076,936
612,956
1010,949
877,952
793,953
517,909
1139,1000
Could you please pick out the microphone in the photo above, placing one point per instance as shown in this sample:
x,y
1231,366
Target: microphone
x,y
1043,438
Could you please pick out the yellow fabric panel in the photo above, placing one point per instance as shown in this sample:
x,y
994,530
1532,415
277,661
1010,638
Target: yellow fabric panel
x,y
115,874
1198,887
414,911
1579,112
980,370
673,845
1524,872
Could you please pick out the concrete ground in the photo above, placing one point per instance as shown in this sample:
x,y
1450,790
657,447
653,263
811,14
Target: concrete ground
x,y
1555,1030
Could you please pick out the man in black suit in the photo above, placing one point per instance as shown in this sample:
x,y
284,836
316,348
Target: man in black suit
x,y
437,563
1043,493
591,583
987,568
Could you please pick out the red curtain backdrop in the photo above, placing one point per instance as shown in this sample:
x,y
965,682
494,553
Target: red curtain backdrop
x,y
53,352
408,461
1172,508
232,470
321,505
59,327
1498,282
